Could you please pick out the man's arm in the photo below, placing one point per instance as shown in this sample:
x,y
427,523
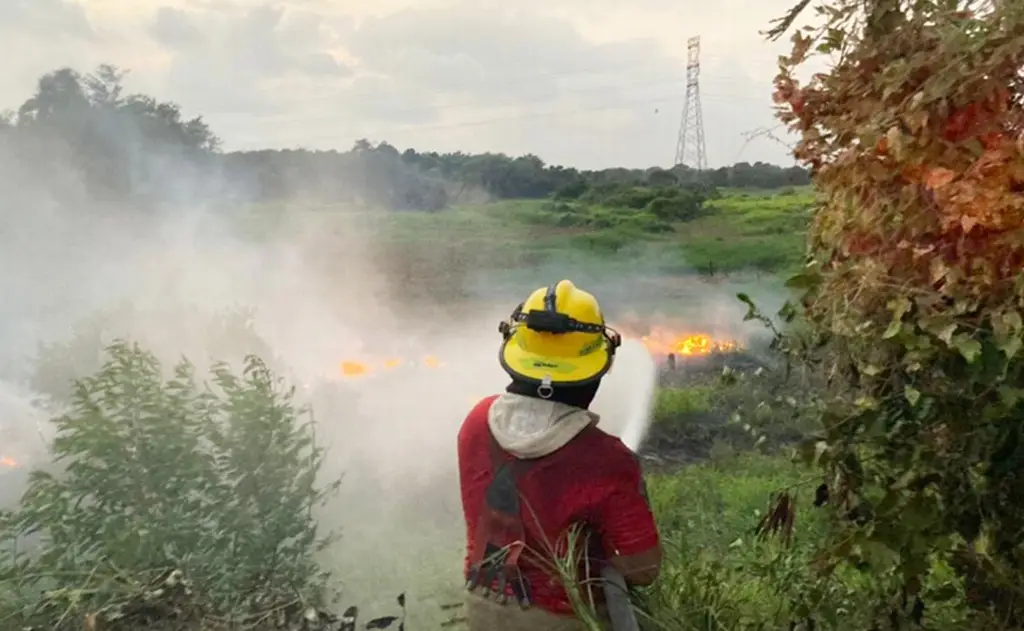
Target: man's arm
x,y
626,524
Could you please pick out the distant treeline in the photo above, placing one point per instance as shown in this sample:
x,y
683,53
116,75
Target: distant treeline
x,y
87,137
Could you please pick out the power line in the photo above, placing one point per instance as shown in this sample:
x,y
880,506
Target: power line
x,y
459,103
550,114
520,79
509,103
626,104
690,149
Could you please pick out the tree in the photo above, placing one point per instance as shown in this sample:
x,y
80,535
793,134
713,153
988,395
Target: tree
x,y
124,144
105,86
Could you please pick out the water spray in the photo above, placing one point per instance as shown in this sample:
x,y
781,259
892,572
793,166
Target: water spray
x,y
630,387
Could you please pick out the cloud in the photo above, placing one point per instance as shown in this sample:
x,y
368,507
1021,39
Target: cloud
x,y
44,18
582,82
528,80
174,28
489,56
230,59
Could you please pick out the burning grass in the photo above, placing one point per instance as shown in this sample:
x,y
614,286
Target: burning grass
x,y
670,342
664,342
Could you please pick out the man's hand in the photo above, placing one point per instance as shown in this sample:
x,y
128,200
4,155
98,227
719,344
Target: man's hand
x,y
639,569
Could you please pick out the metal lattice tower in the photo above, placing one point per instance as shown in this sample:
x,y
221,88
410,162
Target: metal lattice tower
x,y
690,148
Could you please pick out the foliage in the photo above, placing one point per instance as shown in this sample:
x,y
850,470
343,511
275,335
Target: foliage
x,y
171,502
123,146
741,230
912,299
718,574
394,179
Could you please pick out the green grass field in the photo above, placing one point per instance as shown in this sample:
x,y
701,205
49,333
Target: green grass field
x,y
738,232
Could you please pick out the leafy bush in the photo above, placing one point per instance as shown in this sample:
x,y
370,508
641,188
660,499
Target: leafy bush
x,y
913,298
170,501
573,190
633,197
661,178
676,208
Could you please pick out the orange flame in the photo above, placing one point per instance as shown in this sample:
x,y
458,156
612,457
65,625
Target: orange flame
x,y
10,463
661,340
353,369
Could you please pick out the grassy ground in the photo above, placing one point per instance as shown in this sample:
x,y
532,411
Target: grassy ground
x,y
718,573
738,231
750,242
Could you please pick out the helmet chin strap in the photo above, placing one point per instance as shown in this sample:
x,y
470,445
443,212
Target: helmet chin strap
x,y
545,390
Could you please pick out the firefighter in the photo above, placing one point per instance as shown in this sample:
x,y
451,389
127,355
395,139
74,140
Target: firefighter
x,y
535,468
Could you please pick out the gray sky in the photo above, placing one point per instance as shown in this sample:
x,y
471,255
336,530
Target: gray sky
x,y
586,83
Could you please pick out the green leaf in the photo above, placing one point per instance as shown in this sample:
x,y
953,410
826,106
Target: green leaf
x,y
946,333
969,348
1011,346
913,395
1006,329
1012,319
1010,396
945,592
899,307
894,329
879,555
803,281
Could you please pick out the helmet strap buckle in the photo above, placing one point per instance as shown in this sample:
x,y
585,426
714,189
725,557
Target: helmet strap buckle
x,y
545,390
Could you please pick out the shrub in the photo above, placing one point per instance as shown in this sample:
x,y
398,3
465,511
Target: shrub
x,y
633,197
573,190
170,502
661,178
676,208
913,296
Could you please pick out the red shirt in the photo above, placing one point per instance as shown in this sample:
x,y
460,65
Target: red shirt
x,y
594,479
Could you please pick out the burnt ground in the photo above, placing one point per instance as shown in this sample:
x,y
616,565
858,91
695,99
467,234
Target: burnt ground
x,y
733,391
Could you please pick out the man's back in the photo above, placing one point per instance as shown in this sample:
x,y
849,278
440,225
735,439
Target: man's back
x,y
573,473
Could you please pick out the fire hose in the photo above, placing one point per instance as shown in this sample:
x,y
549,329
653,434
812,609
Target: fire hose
x,y
616,596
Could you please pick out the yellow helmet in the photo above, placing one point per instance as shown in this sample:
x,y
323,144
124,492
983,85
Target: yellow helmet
x,y
557,337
